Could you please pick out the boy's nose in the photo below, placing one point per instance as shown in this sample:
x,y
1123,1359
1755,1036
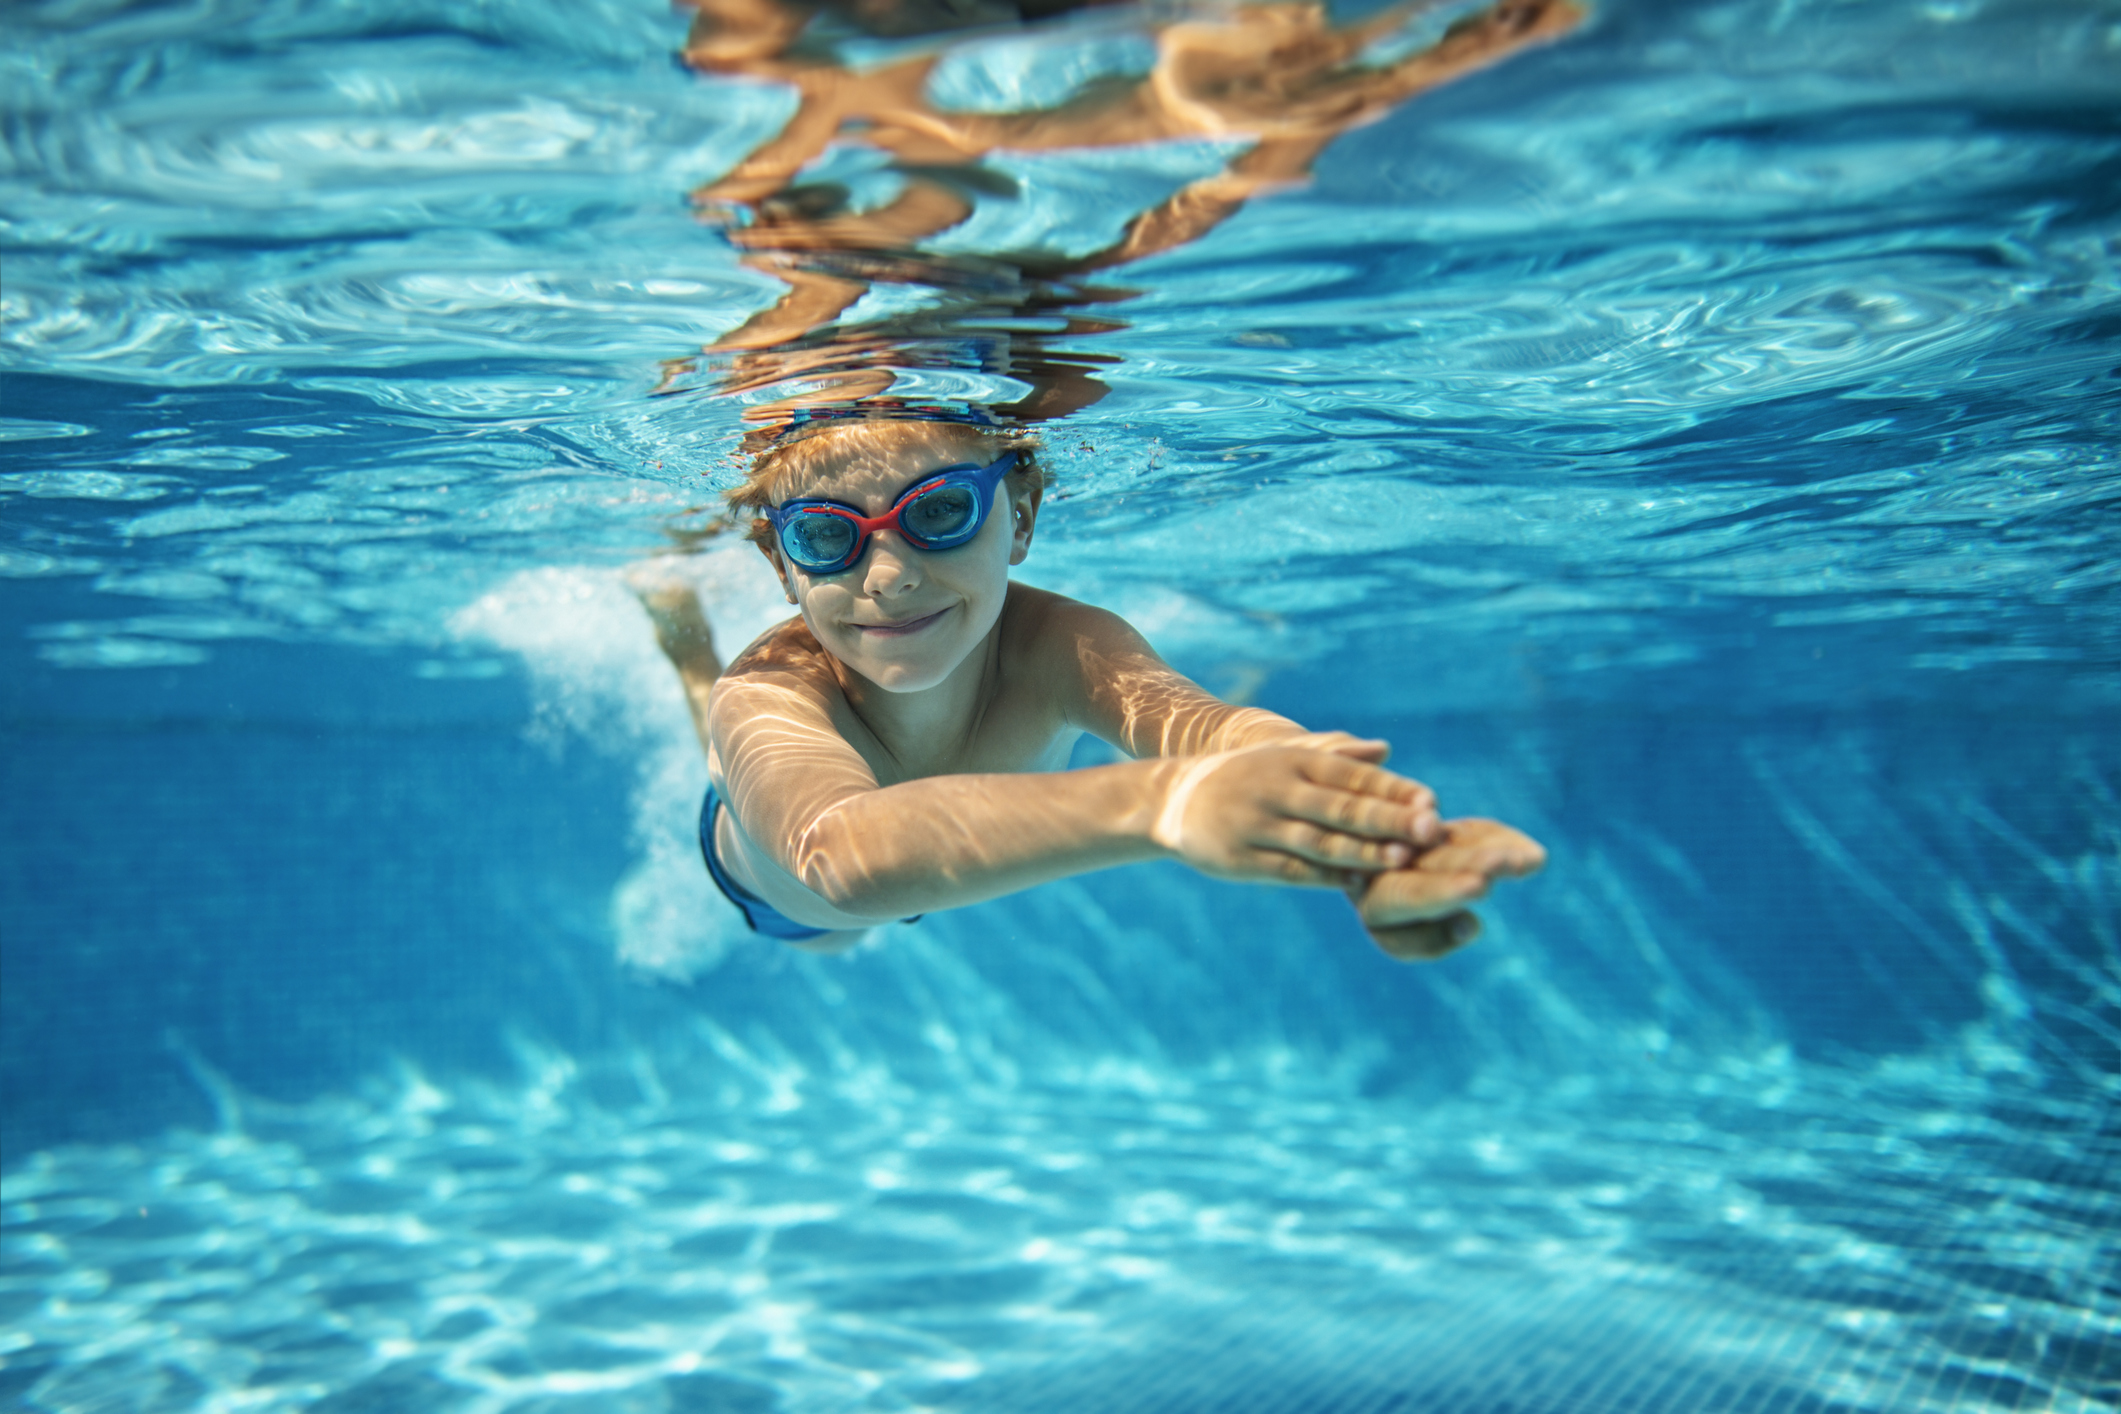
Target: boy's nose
x,y
893,566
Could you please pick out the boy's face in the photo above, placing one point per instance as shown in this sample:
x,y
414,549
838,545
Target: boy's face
x,y
905,618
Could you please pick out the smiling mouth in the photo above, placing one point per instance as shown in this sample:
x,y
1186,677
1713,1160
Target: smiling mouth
x,y
900,630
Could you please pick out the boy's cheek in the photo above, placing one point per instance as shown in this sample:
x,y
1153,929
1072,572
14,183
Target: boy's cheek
x,y
822,623
821,605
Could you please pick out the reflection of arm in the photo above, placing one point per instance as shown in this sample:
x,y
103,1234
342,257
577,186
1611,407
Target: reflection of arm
x,y
1297,94
818,297
813,298
773,164
829,96
921,210
1199,207
733,36
829,847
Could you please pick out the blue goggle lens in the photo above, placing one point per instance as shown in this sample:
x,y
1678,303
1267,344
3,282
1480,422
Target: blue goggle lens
x,y
817,539
942,514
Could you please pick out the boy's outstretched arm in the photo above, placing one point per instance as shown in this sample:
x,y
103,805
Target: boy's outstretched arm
x,y
1118,689
1414,910
822,841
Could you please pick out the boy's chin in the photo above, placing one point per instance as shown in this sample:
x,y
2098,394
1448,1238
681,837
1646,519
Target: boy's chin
x,y
906,677
916,663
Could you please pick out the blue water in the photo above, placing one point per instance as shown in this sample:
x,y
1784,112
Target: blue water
x,y
1693,442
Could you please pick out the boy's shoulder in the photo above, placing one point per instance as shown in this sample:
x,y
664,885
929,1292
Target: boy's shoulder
x,y
1031,610
1039,624
784,659
1068,652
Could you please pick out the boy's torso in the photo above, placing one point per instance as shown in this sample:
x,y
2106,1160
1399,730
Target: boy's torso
x,y
1021,723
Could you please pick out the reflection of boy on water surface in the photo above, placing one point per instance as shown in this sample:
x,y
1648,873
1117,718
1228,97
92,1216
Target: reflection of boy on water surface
x,y
898,747
1279,75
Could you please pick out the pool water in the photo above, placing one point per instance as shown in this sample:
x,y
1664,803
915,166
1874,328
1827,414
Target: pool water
x,y
1691,440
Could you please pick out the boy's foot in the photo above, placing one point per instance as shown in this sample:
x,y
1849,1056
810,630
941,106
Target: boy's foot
x,y
673,607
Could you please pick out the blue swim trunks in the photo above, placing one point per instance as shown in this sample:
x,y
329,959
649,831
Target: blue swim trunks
x,y
761,915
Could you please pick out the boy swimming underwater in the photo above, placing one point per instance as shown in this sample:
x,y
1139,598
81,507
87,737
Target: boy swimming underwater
x,y
898,747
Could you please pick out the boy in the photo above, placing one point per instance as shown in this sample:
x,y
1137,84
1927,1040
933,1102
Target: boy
x,y
898,747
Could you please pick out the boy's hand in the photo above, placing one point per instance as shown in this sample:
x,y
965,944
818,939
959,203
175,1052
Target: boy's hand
x,y
1296,814
1418,913
1344,744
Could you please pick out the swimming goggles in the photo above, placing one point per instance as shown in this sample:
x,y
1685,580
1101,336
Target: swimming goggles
x,y
941,510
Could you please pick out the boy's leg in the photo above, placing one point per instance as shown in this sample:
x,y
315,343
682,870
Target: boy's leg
x,y
681,628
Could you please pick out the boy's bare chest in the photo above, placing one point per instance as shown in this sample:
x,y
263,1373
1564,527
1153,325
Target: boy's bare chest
x,y
1015,733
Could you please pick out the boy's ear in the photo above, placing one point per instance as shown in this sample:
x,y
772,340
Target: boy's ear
x,y
780,568
1024,502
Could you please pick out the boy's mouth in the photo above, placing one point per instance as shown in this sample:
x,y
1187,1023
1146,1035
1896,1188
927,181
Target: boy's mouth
x,y
903,627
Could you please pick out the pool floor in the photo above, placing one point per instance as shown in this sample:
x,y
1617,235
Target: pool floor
x,y
1695,1235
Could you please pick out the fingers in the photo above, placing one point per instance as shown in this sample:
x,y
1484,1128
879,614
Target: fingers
x,y
1263,864
1366,816
1341,744
1486,847
1427,941
1405,896
1321,815
1353,791
1344,772
1352,831
1335,849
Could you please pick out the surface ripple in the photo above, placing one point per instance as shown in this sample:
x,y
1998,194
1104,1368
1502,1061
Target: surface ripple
x,y
1774,337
